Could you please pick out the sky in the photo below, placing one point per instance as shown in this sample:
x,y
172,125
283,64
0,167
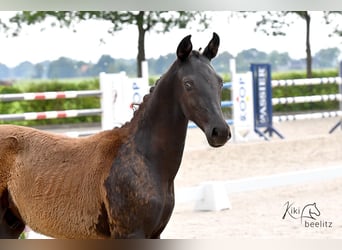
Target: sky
x,y
85,44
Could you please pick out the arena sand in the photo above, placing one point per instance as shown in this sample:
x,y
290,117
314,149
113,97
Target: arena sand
x,y
259,214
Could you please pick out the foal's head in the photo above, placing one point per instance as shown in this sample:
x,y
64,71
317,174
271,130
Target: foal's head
x,y
199,89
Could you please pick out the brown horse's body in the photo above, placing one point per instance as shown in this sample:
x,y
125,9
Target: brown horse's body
x,y
62,193
43,166
117,183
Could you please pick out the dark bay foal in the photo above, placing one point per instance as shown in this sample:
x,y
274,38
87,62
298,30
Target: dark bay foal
x,y
117,183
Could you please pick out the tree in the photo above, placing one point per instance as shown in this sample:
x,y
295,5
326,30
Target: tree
x,y
160,65
278,60
24,70
335,18
40,70
62,68
272,23
3,26
221,62
160,21
246,57
104,64
327,58
4,71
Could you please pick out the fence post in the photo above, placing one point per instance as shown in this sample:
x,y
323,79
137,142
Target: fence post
x,y
340,85
111,85
339,123
144,70
120,94
242,98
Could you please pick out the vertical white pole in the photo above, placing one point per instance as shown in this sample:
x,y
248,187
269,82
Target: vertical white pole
x,y
340,85
242,97
111,86
144,70
232,67
340,90
106,101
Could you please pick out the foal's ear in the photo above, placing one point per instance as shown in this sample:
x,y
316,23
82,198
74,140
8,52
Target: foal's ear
x,y
184,48
211,50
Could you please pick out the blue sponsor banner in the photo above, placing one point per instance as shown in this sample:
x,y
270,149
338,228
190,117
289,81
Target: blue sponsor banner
x,y
262,92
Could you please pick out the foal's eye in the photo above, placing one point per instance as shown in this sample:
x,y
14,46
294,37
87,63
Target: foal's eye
x,y
221,83
188,85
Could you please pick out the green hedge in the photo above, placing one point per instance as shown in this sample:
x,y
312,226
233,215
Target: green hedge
x,y
302,74
94,102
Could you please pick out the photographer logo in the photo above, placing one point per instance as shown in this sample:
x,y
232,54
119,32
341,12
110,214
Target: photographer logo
x,y
309,215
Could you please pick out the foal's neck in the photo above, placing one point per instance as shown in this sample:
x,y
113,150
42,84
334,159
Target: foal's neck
x,y
161,131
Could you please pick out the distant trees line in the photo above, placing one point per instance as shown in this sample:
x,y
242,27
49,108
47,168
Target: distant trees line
x,y
69,68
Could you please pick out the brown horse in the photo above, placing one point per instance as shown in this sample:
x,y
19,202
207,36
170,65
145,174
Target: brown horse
x,y
117,183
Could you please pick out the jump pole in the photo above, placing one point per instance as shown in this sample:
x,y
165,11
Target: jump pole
x,y
339,123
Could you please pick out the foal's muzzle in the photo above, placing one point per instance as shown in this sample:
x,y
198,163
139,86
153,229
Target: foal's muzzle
x,y
217,136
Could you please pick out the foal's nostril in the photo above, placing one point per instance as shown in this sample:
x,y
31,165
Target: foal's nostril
x,y
221,132
229,134
215,132
218,136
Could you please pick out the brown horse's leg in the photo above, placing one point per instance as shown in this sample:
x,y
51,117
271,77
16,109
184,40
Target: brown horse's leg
x,y
156,236
10,225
